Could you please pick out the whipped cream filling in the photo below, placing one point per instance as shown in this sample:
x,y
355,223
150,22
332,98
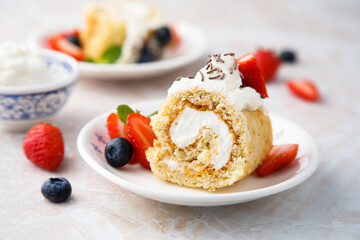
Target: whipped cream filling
x,y
136,35
22,66
221,75
185,130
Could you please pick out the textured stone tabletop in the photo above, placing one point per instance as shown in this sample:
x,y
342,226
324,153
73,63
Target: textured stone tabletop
x,y
326,36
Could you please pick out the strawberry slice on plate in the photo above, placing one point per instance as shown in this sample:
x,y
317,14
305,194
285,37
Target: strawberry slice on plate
x,y
67,47
279,157
268,63
60,42
141,136
116,128
252,76
304,88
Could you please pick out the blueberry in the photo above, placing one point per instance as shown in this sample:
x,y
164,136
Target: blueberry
x,y
163,35
75,40
118,152
56,189
146,56
288,56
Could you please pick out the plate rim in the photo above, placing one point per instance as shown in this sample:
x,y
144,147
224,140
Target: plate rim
x,y
211,199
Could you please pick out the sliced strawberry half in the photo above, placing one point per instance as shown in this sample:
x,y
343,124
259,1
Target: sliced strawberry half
x,y
250,70
141,136
175,36
279,157
65,46
304,88
116,128
268,63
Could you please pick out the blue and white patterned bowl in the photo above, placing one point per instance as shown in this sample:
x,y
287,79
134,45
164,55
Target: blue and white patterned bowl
x,y
22,107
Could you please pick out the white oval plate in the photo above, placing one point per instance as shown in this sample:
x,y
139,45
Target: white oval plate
x,y
192,47
93,137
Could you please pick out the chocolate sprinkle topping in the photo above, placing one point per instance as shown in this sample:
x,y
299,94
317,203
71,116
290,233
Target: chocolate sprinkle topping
x,y
220,59
231,70
229,53
178,79
215,77
211,70
191,77
222,76
202,76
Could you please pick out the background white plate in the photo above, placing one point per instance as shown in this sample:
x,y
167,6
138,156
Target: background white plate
x,y
93,137
192,47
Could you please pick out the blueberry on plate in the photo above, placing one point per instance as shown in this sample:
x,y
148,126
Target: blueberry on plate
x,y
146,56
56,189
75,40
163,35
288,56
118,152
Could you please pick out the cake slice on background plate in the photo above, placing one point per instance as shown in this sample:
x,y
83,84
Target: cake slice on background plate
x,y
124,32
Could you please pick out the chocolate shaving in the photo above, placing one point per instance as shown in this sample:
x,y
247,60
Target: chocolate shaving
x,y
231,70
222,76
235,64
209,66
229,53
218,69
220,59
211,70
217,76
191,77
178,79
202,76
208,61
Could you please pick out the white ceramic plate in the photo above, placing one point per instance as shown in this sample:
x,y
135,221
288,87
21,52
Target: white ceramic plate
x,y
93,137
192,47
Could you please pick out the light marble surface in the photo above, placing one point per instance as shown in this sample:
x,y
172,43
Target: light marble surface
x,y
326,35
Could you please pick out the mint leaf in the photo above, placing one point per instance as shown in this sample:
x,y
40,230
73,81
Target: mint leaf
x,y
123,111
154,113
111,54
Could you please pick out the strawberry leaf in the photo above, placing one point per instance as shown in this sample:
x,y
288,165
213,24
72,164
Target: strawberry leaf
x,y
154,113
123,111
111,54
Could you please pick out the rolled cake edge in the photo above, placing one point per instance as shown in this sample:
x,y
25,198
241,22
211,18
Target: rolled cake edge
x,y
252,130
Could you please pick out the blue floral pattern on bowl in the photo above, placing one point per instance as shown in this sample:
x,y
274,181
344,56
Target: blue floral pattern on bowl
x,y
28,106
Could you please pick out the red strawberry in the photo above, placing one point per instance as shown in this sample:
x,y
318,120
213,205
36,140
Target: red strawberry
x,y
279,157
116,128
44,146
268,63
50,41
304,88
65,46
252,75
175,36
141,136
59,42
